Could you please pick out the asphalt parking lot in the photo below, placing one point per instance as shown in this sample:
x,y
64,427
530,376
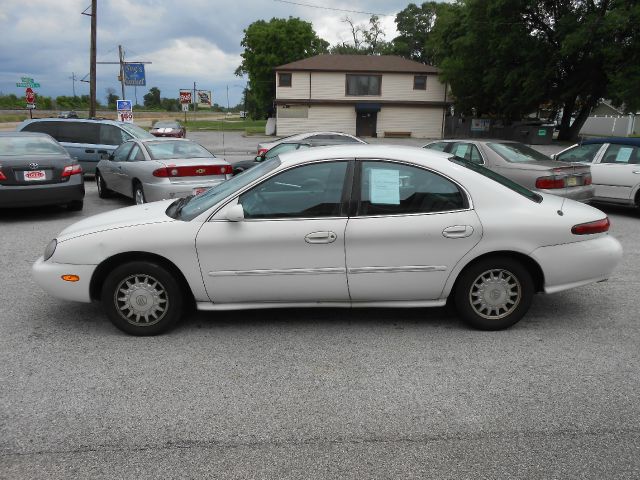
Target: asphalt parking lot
x,y
329,393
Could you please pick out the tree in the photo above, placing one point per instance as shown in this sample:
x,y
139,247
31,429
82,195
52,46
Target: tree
x,y
112,98
152,99
270,44
366,41
568,54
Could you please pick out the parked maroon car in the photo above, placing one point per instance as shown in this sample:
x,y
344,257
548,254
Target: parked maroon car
x,y
168,129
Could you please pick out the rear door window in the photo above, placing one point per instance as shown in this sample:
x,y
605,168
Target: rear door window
x,y
78,132
50,128
467,151
581,153
122,152
621,154
438,146
136,154
112,135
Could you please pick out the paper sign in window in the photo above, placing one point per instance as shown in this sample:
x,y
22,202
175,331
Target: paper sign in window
x,y
384,187
624,154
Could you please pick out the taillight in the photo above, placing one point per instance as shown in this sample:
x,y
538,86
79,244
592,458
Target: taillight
x,y
549,183
587,180
599,226
2,176
71,170
262,150
192,171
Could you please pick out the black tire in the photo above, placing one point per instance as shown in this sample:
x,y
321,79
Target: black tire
x,y
502,288
138,194
150,300
103,191
75,205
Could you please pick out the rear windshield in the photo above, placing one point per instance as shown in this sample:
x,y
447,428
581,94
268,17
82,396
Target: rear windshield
x,y
517,152
136,131
510,184
166,125
176,150
29,145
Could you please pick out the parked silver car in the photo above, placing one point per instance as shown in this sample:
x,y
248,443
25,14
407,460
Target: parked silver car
x,y
523,165
149,170
615,166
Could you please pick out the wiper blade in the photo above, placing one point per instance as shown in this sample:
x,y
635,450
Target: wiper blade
x,y
182,202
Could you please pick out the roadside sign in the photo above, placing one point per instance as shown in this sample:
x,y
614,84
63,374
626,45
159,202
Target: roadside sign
x,y
27,82
31,97
185,107
204,97
124,105
134,74
124,116
185,96
31,106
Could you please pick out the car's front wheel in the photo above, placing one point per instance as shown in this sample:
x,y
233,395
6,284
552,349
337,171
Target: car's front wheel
x,y
142,298
103,191
494,293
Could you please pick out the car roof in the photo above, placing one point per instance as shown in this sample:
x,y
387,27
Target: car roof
x,y
88,120
24,134
365,152
618,140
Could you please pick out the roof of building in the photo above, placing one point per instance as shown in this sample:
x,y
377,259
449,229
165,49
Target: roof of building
x,y
359,63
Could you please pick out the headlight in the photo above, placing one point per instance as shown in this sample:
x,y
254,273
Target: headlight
x,y
50,249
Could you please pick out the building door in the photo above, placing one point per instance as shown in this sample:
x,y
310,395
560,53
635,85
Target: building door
x,y
366,123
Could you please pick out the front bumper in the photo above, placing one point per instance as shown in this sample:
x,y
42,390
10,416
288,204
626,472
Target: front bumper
x,y
575,264
38,195
49,276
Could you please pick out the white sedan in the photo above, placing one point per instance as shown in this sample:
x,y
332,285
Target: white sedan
x,y
344,226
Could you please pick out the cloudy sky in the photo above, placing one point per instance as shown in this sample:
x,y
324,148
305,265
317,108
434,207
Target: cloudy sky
x,y
186,40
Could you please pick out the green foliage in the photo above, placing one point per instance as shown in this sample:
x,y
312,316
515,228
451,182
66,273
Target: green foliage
x,y
507,57
227,125
366,40
112,98
268,45
152,99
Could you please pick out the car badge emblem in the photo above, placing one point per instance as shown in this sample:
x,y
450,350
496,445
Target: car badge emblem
x,y
33,166
200,171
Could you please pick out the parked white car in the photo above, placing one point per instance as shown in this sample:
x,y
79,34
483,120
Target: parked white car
x,y
344,226
615,167
321,138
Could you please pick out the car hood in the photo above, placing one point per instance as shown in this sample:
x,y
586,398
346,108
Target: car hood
x,y
540,166
153,212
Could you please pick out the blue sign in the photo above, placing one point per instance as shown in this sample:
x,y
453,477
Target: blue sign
x,y
134,74
123,105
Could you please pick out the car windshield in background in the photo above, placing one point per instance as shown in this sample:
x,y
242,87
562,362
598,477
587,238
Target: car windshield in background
x,y
176,150
517,152
29,145
166,125
208,199
510,184
136,131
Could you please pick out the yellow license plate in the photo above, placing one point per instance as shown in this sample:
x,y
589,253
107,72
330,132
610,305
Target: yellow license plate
x,y
572,181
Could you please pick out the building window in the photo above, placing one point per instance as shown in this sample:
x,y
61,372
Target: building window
x,y
420,82
284,79
364,84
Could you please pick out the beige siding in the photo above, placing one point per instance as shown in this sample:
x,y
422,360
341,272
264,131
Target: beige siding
x,y
320,118
421,122
299,88
332,86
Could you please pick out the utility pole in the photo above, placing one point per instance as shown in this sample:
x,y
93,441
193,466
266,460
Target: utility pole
x,y
73,79
121,55
195,103
92,57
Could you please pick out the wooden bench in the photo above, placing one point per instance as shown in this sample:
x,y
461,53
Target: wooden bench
x,y
397,134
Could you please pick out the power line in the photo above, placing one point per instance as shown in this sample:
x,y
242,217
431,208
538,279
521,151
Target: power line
x,y
330,8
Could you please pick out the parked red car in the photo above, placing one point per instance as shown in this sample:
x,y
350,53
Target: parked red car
x,y
168,129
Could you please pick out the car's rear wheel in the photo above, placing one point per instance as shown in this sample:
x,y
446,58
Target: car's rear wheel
x,y
494,293
103,191
138,194
75,205
142,298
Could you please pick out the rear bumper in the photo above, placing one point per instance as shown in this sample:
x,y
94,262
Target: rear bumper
x,y
170,190
38,195
49,276
575,264
580,194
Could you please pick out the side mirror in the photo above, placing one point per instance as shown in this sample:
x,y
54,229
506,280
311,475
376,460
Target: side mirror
x,y
259,158
235,213
553,156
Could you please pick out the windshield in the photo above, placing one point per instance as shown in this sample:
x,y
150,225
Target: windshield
x,y
284,147
29,145
208,199
176,149
136,131
510,184
166,125
517,152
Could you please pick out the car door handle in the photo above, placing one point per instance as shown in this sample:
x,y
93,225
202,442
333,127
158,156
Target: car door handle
x,y
636,171
88,150
458,231
321,237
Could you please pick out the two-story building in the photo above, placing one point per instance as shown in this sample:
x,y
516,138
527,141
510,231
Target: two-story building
x,y
363,95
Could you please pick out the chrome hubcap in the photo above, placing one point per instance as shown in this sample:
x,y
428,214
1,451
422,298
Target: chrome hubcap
x,y
99,182
495,294
141,300
139,196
